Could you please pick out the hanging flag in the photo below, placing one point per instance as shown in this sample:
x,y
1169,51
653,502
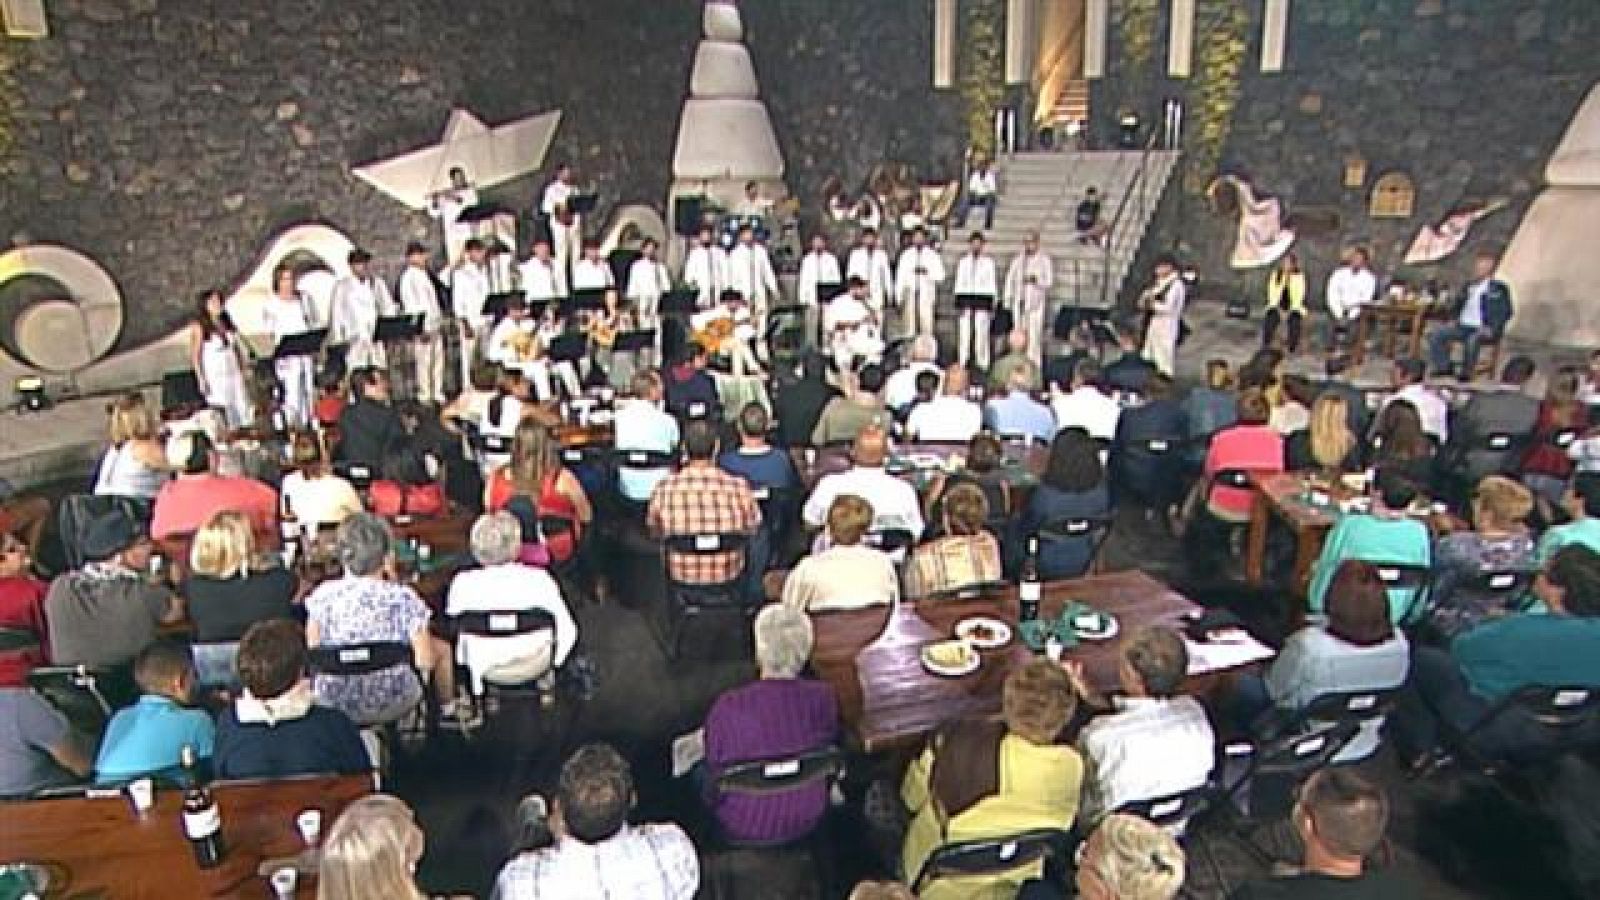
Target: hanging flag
x,y
1262,238
1435,242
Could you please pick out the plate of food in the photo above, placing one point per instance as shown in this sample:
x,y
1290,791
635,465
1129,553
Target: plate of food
x,y
950,659
984,632
1094,626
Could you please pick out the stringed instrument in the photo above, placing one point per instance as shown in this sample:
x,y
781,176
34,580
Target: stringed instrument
x,y
716,333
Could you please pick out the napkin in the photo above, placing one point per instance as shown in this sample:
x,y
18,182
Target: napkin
x,y
1037,632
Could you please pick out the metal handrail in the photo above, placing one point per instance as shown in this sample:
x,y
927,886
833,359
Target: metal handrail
x,y
1116,219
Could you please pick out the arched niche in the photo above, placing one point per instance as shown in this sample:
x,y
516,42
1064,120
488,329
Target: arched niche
x,y
1393,196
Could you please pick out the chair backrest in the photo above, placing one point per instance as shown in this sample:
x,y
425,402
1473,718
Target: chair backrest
x,y
504,623
77,692
768,776
14,639
578,456
1496,442
1299,755
889,540
1562,438
1236,478
1022,441
992,856
969,591
1350,706
1506,588
1171,810
644,460
1559,707
704,544
358,659
494,445
1401,576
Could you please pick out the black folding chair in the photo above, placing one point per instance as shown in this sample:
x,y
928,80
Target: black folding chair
x,y
1149,470
890,540
351,660
503,624
1413,577
688,600
1338,709
764,777
1506,590
994,856
1259,778
1089,532
78,692
1172,811
640,462
1563,718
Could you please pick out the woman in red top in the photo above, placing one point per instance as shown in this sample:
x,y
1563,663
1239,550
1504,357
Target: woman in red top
x,y
535,472
21,610
1545,466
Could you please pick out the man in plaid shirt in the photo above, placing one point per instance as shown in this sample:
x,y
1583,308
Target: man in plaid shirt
x,y
702,499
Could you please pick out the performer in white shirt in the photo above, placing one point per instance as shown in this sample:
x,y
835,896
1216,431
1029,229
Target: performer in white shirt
x,y
750,273
565,227
469,293
728,328
975,275
648,280
918,279
541,281
820,267
447,205
752,205
591,272
289,313
1162,304
359,300
854,339
706,268
418,296
981,191
1351,288
1027,293
870,263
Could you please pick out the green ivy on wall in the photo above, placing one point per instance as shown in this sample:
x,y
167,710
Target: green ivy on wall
x,y
1222,29
982,69
1138,32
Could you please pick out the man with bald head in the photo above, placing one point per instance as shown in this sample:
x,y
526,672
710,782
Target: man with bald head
x,y
1027,293
949,417
894,501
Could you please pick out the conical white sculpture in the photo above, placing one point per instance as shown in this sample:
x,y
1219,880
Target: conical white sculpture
x,y
725,138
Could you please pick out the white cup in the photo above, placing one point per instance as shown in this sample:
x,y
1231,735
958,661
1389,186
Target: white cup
x,y
142,793
1053,649
284,881
309,822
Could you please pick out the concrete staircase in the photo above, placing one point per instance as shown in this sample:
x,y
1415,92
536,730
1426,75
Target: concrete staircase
x,y
1072,105
1040,192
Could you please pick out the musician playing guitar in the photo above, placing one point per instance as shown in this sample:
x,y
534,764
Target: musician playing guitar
x,y
1162,305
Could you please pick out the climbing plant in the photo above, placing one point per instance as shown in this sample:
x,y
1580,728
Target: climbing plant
x,y
982,69
1222,29
1138,31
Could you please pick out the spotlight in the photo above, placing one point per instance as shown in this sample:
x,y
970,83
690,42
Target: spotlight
x,y
30,394
1128,131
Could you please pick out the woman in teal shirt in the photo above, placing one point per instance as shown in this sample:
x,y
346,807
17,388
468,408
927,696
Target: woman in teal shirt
x,y
1385,535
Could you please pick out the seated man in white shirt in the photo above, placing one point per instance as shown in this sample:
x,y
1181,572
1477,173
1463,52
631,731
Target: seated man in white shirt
x,y
1153,742
981,191
596,854
641,424
847,575
1408,378
503,584
1086,406
901,388
853,334
894,500
950,417
1351,288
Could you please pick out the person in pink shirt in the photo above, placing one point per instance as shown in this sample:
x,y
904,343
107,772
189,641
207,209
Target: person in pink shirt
x,y
209,482
1250,444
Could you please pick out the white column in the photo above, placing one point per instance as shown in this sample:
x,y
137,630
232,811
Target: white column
x,y
1274,34
1096,16
944,43
1021,36
1180,40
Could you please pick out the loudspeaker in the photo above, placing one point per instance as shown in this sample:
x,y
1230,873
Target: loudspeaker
x,y
687,213
180,390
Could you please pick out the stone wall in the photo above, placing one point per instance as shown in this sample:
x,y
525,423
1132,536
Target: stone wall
x,y
169,139
1467,97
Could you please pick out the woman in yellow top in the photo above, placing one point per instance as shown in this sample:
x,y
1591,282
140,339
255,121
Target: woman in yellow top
x,y
980,779
1286,298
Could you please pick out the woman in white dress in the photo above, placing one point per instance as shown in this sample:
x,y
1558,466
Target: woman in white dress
x,y
289,313
215,351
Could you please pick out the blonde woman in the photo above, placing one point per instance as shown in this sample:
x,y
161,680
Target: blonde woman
x,y
1128,858
371,852
1327,444
313,493
135,465
230,586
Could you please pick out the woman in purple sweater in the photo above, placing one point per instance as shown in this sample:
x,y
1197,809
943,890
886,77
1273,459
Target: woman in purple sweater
x,y
778,715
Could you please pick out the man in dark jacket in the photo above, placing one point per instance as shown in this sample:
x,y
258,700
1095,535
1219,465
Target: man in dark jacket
x,y
1481,312
369,426
1490,432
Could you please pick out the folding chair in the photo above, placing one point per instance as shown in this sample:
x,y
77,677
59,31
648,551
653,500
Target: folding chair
x,y
1150,470
1172,811
688,600
1565,717
78,692
994,856
1259,778
1089,533
779,775
1398,576
890,540
1348,707
525,678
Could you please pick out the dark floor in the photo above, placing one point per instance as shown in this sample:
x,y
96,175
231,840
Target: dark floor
x,y
465,792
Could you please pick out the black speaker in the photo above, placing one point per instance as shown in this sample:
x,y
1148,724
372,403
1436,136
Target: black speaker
x,y
181,389
687,213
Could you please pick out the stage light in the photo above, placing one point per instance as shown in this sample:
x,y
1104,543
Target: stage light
x,y
30,394
1128,131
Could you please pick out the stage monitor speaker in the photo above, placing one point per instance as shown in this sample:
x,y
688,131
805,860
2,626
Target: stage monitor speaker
x,y
180,390
687,213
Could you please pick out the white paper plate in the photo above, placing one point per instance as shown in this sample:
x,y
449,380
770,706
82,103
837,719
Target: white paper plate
x,y
968,665
998,632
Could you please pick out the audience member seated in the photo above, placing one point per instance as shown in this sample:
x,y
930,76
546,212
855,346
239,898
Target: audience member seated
x,y
1408,377
1015,366
135,465
1400,445
1211,407
927,391
503,584
229,585
984,779
701,499
1073,487
1130,372
38,747
597,854
1249,445
365,606
1340,818
313,493
546,488
848,574
778,716
1358,648
984,468
21,611
755,460
1086,406
331,397
1582,503
847,416
686,384
372,850
951,417
894,500
273,729
1385,534
405,487
106,612
1546,466
1498,542
208,482
1138,471
1152,741
641,424
799,403
148,737
1125,858
369,426
900,389
1289,399
967,553
1507,410
1327,444
1458,686
1015,412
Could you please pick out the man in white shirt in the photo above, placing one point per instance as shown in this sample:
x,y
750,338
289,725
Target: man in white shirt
x,y
359,300
447,206
981,191
870,263
592,273
752,205
919,276
975,277
1408,377
1086,406
542,282
705,268
1154,742
949,417
419,297
648,281
1351,288
750,273
596,854
819,281
853,336
641,424
847,575
1163,304
1027,293
894,501
469,292
901,388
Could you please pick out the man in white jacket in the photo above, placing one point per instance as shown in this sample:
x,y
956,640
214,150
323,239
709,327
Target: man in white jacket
x,y
919,276
819,269
1027,293
706,268
469,293
750,273
870,263
359,300
1163,304
648,281
419,297
975,277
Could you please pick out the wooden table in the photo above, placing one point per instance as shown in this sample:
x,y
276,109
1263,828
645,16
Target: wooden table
x,y
109,851
1390,320
871,657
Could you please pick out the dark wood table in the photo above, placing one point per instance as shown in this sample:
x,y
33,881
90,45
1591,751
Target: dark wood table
x,y
1390,320
871,657
106,850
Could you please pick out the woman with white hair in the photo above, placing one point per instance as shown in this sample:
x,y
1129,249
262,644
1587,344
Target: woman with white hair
x,y
779,715
371,852
1128,858
504,584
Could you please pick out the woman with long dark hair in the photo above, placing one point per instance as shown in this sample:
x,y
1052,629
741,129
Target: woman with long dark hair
x,y
215,352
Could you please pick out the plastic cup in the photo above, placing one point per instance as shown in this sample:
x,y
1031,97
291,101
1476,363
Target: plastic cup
x,y
1053,649
309,822
284,881
142,794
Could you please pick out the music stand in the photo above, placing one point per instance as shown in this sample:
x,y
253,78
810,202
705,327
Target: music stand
x,y
580,204
680,302
826,291
494,306
398,328
591,299
305,343
634,341
569,347
975,303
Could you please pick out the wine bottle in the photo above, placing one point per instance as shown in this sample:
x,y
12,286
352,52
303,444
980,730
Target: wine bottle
x,y
202,819
1029,590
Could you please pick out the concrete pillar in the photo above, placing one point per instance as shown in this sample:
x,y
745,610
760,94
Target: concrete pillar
x,y
1180,39
944,43
1021,37
1096,19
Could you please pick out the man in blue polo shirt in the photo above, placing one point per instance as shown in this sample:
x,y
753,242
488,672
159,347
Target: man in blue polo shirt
x,y
149,736
1016,412
1582,502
